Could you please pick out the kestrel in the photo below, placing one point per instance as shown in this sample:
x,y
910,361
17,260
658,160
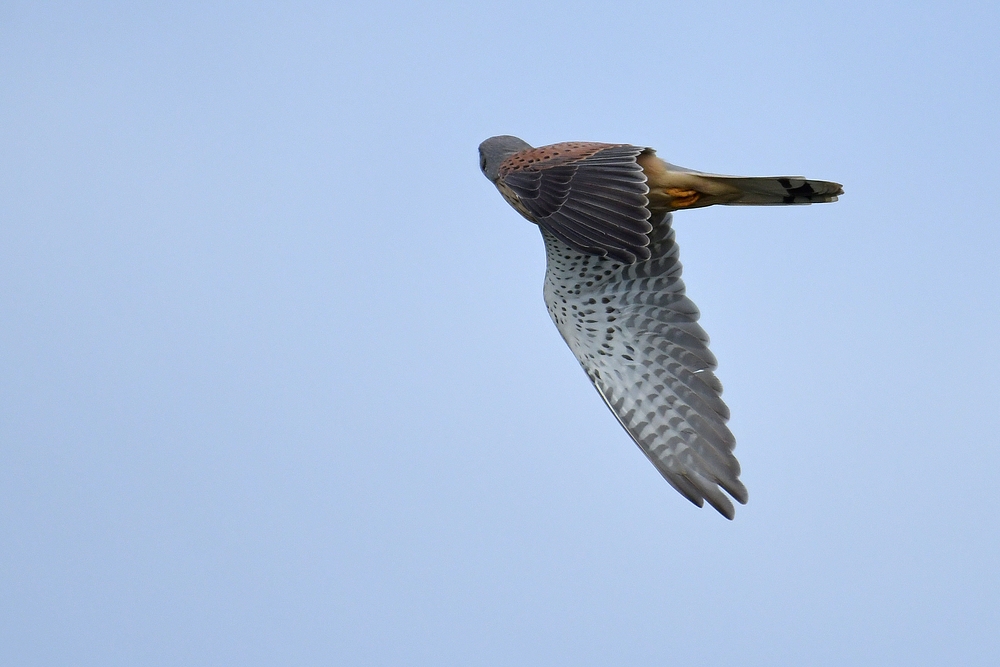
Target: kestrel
x,y
613,288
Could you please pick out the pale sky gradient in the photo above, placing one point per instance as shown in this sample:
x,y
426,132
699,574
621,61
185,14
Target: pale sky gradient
x,y
277,385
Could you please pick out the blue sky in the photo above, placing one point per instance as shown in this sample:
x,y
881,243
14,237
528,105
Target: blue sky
x,y
277,385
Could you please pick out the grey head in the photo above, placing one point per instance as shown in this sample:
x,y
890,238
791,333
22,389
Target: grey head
x,y
495,150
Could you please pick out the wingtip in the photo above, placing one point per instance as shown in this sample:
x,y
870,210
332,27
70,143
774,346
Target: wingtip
x,y
726,510
717,499
737,490
721,504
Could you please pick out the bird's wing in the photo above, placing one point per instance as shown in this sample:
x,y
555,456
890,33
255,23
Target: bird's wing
x,y
637,336
591,196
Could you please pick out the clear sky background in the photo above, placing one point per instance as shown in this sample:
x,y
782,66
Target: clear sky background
x,y
277,385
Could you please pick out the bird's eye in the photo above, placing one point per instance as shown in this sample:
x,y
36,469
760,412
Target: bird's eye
x,y
482,162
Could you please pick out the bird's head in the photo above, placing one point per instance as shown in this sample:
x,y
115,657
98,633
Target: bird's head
x,y
495,150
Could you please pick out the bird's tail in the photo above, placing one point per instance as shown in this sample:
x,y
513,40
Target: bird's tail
x,y
672,188
776,190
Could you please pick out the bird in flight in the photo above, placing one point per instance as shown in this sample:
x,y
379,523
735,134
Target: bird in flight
x,y
613,288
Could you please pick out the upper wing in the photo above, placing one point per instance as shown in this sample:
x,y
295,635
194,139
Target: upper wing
x,y
637,336
590,196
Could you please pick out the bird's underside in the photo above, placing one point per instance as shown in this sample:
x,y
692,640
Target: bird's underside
x,y
614,291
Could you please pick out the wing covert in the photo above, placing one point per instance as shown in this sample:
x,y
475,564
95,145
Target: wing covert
x,y
590,196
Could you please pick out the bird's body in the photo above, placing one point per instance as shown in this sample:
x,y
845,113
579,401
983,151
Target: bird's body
x,y
613,289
